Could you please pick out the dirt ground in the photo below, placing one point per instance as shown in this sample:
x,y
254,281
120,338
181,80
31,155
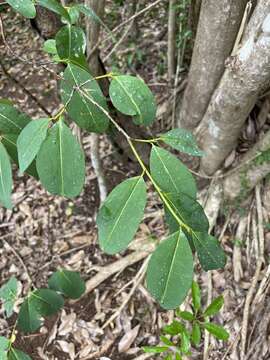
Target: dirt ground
x,y
44,232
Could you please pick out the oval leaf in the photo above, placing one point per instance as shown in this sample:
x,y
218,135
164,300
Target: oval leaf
x,y
5,178
170,174
54,6
60,162
189,211
8,295
24,7
120,215
69,283
71,45
87,106
10,143
218,331
214,307
182,140
131,96
170,271
50,47
15,354
196,296
12,121
210,253
196,334
30,141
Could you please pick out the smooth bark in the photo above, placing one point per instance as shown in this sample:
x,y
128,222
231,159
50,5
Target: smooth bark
x,y
172,40
246,75
217,30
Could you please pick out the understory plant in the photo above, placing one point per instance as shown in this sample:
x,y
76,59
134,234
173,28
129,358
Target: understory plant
x,y
181,335
46,149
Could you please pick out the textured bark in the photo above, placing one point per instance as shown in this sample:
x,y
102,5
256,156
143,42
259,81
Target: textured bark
x,y
255,166
247,73
217,30
46,22
171,40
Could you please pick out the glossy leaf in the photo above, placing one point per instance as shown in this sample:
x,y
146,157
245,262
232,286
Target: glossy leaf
x,y
196,334
24,7
85,106
30,141
210,253
186,315
170,174
121,214
10,143
12,121
196,296
8,295
40,303
170,271
182,140
55,6
50,47
69,283
60,162
218,331
175,328
5,178
15,354
131,96
71,45
189,211
155,349
214,307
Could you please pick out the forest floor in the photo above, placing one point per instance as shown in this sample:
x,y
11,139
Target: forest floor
x,y
44,232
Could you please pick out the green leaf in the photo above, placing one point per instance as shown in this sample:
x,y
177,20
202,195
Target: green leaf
x,y
186,315
218,331
15,354
189,211
170,174
196,296
10,143
169,357
54,6
60,162
40,303
174,328
214,307
178,356
120,215
5,178
185,343
74,14
30,141
71,45
47,302
196,334
24,7
8,294
29,320
210,253
182,140
170,271
68,283
166,341
86,106
50,47
155,349
131,96
12,121
4,345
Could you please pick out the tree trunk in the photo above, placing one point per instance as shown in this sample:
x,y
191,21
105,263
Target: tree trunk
x,y
172,40
247,73
218,26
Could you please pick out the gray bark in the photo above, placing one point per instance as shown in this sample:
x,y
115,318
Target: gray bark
x,y
172,40
217,30
247,74
254,167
